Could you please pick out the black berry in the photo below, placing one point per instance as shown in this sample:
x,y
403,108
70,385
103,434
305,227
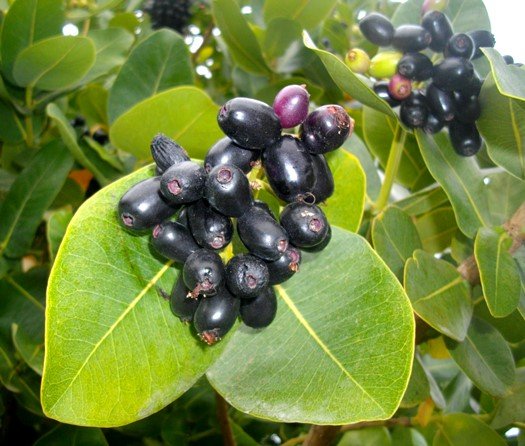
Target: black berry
x,y
468,107
203,273
441,103
439,27
225,151
409,38
173,14
481,39
324,180
285,266
433,124
246,275
460,45
465,138
260,311
209,228
173,241
413,116
167,152
377,28
181,305
415,66
454,73
305,224
183,182
381,88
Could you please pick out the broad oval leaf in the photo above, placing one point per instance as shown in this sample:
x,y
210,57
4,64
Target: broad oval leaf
x,y
343,315
114,351
29,347
438,294
461,429
370,436
423,201
57,222
309,13
510,79
436,229
498,271
282,46
356,147
11,126
461,179
485,357
158,63
408,12
418,389
505,194
511,408
186,114
64,435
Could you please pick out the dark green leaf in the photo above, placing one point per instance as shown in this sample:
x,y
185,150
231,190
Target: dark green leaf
x,y
418,389
464,430
309,13
64,435
92,103
510,80
457,394
505,195
436,229
57,222
11,127
512,327
30,349
408,12
423,201
282,45
467,15
403,436
511,408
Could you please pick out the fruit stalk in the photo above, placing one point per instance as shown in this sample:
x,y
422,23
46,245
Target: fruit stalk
x,y
224,421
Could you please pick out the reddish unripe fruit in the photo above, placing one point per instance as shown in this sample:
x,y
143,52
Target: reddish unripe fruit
x,y
291,105
399,87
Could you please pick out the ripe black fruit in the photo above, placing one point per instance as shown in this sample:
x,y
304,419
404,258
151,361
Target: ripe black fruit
x,y
289,168
203,273
417,97
100,136
181,305
465,138
228,190
433,124
509,60
225,151
262,205
324,180
182,218
460,45
454,73
246,275
323,244
260,311
305,224
481,39
415,66
413,116
439,27
173,241
326,129
441,103
166,152
262,234
143,206
249,123
468,108
377,29
173,14
285,266
209,228
216,315
382,90
473,87
409,38
183,182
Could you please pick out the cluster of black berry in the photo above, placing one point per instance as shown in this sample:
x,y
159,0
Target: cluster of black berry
x,y
206,198
174,14
450,95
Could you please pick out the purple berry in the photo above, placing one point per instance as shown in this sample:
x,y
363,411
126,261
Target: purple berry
x,y
291,105
399,87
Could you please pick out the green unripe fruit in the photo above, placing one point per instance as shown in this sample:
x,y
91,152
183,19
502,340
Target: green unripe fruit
x,y
384,65
357,60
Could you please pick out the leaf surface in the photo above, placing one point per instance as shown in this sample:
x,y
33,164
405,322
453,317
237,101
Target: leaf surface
x,y
309,13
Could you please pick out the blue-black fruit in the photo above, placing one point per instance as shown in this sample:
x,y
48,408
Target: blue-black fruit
x,y
417,97
182,218
415,66
324,180
262,234
209,228
225,151
166,152
305,224
203,273
413,116
216,315
433,124
246,275
260,311
509,60
289,168
468,107
143,206
264,206
459,45
250,123
381,88
183,182
181,305
174,14
323,244
410,38
439,27
441,103
482,39
465,138
454,73
228,190
285,266
173,241
377,28
473,86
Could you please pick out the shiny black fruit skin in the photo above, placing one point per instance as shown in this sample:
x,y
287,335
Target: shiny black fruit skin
x,y
459,45
473,87
100,136
209,228
454,73
260,311
262,234
441,103
216,315
225,151
182,218
415,66
285,266
305,224
468,108
417,97
262,205
509,60
465,138
324,180
173,241
183,183
203,273
481,39
246,275
439,27
166,152
289,168
377,29
143,206
381,89
323,244
433,124
413,116
181,305
326,129
228,190
409,38
249,123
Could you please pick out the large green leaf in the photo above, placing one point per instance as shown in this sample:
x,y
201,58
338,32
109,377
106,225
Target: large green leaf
x,y
436,229
510,79
395,238
345,207
418,389
30,348
313,364
461,179
309,13
158,63
283,47
54,63
30,195
92,103
438,294
27,22
357,148
423,201
461,429
57,222
408,12
64,435
186,114
381,133
371,436
505,195
241,40
498,272
11,127
502,126
114,351
485,357
511,408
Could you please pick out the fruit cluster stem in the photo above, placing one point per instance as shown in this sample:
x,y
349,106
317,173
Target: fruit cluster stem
x,y
224,421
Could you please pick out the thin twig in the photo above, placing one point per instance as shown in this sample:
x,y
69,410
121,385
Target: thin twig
x,y
224,421
321,435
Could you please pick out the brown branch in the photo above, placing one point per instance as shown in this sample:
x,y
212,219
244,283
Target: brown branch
x,y
321,435
402,421
224,421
